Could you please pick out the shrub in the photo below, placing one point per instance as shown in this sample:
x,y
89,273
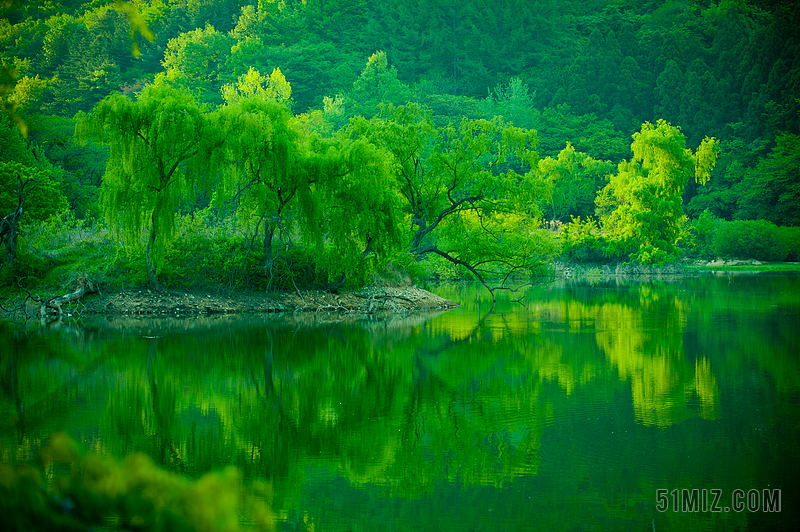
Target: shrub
x,y
582,242
791,239
292,269
198,261
750,239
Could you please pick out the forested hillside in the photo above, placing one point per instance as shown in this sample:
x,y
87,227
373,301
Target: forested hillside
x,y
367,133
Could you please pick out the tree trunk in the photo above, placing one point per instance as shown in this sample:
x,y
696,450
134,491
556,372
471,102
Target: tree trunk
x,y
8,225
269,233
151,239
83,286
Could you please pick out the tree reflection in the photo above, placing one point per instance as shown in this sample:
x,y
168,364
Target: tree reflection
x,y
404,403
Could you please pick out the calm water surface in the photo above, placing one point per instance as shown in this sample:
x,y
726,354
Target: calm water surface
x,y
567,413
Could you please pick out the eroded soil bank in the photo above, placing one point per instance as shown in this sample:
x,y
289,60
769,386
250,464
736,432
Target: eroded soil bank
x,y
177,303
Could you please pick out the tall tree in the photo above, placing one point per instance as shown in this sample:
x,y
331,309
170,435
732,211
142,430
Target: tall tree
x,y
337,194
195,61
576,178
642,206
461,191
155,148
361,210
771,190
263,171
273,87
377,84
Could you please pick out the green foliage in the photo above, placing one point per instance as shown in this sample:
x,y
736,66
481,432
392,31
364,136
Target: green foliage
x,y
790,236
154,143
207,262
53,252
13,144
337,193
360,209
8,107
583,242
751,239
771,190
513,102
377,85
576,178
83,165
33,268
42,200
447,108
253,85
726,69
755,183
137,22
704,230
87,490
642,206
262,164
462,190
28,94
295,269
313,68
195,62
589,134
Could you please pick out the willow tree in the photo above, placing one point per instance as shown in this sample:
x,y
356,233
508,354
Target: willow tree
x,y
264,170
641,208
336,193
358,212
153,160
467,190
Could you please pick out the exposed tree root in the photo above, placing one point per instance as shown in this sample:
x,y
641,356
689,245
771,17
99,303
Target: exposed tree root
x,y
84,286
53,305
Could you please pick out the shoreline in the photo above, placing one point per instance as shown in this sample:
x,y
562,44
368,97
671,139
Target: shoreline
x,y
368,300
179,303
686,267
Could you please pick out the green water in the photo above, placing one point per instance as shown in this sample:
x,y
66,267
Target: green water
x,y
566,413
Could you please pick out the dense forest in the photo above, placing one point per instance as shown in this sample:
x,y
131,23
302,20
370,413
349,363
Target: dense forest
x,y
273,144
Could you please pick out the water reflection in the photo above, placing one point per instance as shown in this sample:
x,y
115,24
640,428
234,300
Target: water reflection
x,y
573,408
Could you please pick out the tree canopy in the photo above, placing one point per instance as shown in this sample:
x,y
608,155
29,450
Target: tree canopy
x,y
154,143
642,206
466,190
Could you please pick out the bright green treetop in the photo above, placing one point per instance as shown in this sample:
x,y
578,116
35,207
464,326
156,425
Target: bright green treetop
x,y
642,206
273,87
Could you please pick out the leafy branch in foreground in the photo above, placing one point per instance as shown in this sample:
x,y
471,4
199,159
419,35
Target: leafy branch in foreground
x,y
86,489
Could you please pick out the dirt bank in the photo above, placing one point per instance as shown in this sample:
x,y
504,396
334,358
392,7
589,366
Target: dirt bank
x,y
177,303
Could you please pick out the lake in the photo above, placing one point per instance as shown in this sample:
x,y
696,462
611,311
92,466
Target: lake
x,y
602,404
